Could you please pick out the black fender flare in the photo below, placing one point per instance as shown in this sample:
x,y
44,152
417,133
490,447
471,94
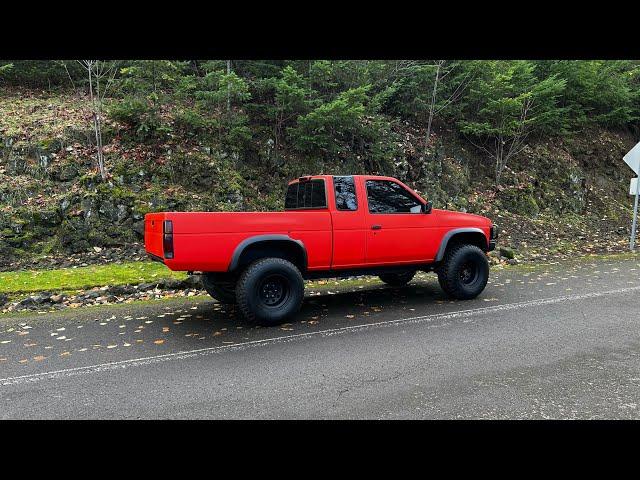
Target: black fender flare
x,y
451,233
242,246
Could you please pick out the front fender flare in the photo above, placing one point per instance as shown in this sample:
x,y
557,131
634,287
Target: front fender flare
x,y
451,233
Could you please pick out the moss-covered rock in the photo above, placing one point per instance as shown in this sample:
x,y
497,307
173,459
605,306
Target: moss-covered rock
x,y
507,253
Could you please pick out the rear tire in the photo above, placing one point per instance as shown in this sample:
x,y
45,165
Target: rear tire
x,y
220,290
464,272
270,291
397,279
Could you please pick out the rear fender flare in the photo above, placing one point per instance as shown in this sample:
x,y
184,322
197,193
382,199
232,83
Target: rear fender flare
x,y
247,242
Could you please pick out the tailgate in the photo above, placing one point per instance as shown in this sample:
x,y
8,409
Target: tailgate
x,y
153,233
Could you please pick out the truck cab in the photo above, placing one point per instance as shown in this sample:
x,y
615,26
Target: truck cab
x,y
332,225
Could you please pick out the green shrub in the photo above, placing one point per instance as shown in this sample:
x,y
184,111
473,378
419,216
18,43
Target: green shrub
x,y
141,116
330,126
192,123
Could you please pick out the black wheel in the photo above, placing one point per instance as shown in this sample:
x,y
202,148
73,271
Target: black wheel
x,y
222,290
464,272
397,279
270,291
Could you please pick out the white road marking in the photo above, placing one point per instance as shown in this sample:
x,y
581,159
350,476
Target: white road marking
x,y
136,362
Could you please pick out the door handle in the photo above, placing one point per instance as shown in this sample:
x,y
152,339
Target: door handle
x,y
376,227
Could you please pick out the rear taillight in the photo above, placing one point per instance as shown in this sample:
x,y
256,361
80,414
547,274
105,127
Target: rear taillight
x,y
167,238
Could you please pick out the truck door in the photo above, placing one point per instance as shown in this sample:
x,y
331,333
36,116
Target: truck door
x,y
398,230
348,219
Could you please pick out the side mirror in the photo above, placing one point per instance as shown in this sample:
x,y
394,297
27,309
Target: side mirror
x,y
426,208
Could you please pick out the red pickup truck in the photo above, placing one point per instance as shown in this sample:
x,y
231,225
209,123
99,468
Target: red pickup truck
x,y
332,226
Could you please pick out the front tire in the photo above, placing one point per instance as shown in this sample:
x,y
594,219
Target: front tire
x,y
223,291
270,291
397,279
464,272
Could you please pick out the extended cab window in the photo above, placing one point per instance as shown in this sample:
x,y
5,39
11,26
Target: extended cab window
x,y
345,189
306,195
389,197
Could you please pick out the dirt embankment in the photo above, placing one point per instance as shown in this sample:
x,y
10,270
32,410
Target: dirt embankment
x,y
561,196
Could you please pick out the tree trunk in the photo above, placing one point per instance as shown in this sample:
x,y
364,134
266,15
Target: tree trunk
x,y
153,75
228,87
96,125
276,134
499,159
103,172
433,105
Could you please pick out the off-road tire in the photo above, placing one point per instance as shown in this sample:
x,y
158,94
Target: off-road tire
x,y
220,290
464,272
270,291
397,279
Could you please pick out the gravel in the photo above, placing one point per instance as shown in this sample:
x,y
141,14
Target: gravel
x,y
104,295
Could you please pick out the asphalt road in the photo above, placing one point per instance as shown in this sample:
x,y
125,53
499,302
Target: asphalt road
x,y
559,341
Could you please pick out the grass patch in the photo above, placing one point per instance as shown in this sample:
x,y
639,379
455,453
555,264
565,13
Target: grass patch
x,y
67,280
84,277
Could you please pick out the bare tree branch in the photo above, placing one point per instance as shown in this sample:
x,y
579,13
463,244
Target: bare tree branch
x,y
97,70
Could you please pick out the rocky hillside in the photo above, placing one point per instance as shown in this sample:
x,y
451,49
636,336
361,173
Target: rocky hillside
x,y
559,196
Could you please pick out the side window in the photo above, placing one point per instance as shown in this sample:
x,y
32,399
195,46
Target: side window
x,y
389,197
345,190
306,195
318,195
291,200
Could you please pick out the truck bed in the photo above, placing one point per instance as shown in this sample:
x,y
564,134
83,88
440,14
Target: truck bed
x,y
205,241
